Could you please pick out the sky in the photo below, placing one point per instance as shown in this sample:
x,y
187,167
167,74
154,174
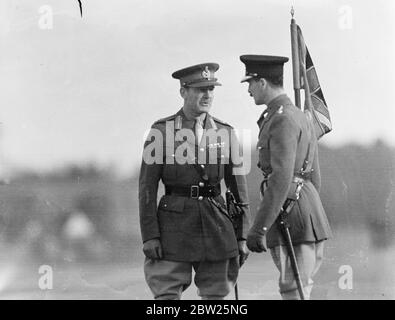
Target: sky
x,y
78,90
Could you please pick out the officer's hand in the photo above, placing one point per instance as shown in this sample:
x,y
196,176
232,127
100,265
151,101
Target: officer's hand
x,y
243,252
153,249
256,241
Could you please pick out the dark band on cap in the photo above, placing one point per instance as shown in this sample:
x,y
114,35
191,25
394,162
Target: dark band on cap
x,y
262,66
200,75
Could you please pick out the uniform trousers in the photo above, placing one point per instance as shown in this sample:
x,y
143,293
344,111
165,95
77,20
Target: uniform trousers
x,y
309,257
168,279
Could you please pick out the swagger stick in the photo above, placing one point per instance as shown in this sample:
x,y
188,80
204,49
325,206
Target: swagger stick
x,y
236,292
284,226
292,257
229,198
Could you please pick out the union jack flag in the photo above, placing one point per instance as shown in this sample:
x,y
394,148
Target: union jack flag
x,y
314,98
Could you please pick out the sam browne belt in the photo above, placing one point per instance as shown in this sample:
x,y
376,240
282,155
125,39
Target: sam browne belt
x,y
193,191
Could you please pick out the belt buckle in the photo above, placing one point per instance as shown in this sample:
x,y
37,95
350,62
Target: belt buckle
x,y
194,192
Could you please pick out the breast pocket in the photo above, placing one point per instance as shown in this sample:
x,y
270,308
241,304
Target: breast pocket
x,y
215,166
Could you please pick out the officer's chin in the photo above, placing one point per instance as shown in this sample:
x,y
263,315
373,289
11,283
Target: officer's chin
x,y
258,102
205,107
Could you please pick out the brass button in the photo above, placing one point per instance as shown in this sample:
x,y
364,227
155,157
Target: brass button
x,y
201,184
202,166
200,198
201,149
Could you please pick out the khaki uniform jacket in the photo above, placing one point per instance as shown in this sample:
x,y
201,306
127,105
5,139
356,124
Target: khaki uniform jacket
x,y
284,136
190,229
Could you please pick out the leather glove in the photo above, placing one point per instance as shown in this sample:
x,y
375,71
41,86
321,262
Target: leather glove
x,y
243,251
153,249
256,240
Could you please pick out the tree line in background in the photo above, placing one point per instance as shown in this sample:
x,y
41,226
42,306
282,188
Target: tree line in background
x,y
357,189
357,192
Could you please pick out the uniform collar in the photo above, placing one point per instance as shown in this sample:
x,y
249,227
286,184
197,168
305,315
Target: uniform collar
x,y
209,122
272,108
262,117
278,101
181,122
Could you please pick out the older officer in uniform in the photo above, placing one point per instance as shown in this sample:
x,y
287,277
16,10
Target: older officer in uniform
x,y
288,159
190,228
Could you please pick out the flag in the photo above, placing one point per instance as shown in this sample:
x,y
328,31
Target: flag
x,y
314,98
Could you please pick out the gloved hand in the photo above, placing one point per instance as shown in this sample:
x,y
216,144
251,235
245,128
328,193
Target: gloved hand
x,y
243,251
153,249
256,240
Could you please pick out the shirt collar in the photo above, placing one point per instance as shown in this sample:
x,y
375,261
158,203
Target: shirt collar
x,y
208,121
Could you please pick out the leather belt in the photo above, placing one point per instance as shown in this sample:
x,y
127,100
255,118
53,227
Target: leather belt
x,y
194,191
299,176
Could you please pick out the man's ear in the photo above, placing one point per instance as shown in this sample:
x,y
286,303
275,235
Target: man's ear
x,y
263,82
183,91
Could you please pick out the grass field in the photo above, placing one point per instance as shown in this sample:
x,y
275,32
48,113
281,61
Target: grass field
x,y
373,275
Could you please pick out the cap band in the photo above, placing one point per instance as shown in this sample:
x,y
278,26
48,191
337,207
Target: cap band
x,y
199,80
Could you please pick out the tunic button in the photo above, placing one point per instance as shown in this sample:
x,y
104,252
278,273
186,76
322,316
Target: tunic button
x,y
201,184
165,205
201,149
202,166
200,198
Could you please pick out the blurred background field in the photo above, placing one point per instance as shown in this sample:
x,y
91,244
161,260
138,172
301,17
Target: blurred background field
x,y
83,222
78,93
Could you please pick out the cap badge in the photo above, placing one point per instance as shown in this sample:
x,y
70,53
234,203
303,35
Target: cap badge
x,y
280,110
206,73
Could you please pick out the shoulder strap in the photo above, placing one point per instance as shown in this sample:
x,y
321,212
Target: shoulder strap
x,y
166,119
221,122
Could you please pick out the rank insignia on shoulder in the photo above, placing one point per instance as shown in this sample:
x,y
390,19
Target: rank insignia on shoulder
x,y
280,110
169,118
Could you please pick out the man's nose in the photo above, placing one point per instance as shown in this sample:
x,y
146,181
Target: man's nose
x,y
207,93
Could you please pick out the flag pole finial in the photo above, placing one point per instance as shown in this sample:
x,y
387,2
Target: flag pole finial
x,y
292,12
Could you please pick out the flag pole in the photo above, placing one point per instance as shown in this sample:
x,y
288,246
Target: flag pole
x,y
295,59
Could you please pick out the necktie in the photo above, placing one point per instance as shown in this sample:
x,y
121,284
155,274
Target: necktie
x,y
198,131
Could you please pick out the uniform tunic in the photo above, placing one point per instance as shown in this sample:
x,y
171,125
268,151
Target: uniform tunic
x,y
284,136
190,229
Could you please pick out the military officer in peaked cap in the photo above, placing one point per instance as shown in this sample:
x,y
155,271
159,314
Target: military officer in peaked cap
x,y
288,158
189,229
